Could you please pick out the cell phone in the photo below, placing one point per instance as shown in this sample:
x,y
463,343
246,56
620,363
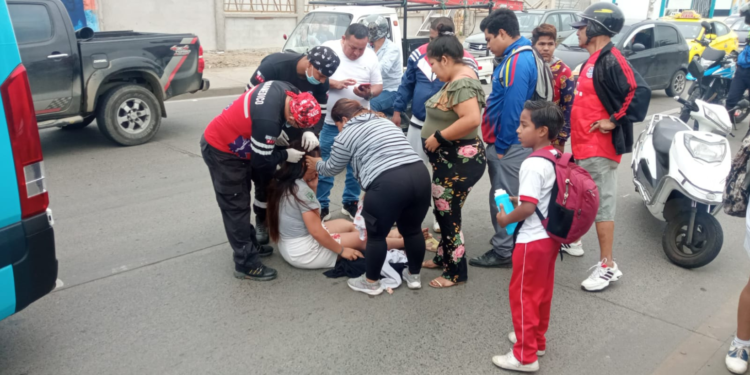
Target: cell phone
x,y
364,86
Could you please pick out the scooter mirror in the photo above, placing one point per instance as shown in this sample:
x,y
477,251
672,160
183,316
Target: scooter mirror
x,y
743,104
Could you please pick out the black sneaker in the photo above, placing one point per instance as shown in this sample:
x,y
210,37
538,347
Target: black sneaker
x,y
261,233
261,273
350,209
491,260
324,214
265,251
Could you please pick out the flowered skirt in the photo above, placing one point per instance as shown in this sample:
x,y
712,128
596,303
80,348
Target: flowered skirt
x,y
455,171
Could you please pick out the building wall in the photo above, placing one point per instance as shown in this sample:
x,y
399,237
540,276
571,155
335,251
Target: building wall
x,y
257,32
167,16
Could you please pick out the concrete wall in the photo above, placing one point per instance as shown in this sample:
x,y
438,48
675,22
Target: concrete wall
x,y
168,16
257,32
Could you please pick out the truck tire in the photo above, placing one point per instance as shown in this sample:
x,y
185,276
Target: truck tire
x,y
129,115
86,122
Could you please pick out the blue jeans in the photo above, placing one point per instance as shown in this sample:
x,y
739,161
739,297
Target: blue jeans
x,y
325,184
384,102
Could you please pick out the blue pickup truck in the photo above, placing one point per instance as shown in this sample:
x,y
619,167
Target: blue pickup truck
x,y
28,266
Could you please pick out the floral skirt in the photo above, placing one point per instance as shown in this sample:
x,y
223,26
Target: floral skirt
x,y
455,170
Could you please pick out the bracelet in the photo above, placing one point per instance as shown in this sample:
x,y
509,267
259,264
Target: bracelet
x,y
442,140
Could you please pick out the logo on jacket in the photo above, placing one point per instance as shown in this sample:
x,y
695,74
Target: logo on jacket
x,y
259,77
270,140
590,72
181,50
241,147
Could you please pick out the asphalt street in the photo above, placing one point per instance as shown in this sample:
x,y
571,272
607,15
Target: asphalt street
x,y
148,286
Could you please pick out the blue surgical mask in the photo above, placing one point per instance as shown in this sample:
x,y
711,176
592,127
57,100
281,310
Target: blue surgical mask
x,y
287,124
311,79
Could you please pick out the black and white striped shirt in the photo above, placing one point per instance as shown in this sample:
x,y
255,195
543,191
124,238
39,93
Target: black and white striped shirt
x,y
372,145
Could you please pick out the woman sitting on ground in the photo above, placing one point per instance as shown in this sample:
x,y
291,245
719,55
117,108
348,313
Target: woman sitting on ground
x,y
294,221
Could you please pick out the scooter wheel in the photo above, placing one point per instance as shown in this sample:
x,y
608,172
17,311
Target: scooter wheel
x,y
706,243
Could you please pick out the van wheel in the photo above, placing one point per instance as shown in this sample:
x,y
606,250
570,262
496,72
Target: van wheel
x,y
677,84
86,122
706,242
129,115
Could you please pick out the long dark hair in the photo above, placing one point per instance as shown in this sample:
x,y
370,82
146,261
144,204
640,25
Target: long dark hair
x,y
283,184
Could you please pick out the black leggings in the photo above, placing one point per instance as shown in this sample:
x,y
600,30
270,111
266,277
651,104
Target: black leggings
x,y
400,195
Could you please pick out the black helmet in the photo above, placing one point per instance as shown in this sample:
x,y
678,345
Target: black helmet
x,y
601,19
377,25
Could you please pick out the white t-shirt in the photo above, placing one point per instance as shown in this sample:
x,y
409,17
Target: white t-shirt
x,y
536,179
365,69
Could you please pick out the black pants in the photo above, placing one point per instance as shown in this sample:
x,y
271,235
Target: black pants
x,y
400,195
233,178
740,84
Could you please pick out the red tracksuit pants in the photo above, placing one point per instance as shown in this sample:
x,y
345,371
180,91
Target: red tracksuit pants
x,y
531,295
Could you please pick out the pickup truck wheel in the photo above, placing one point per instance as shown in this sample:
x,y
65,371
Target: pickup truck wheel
x,y
129,115
86,122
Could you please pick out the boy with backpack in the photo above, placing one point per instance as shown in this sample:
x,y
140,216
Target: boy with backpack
x,y
557,201
521,75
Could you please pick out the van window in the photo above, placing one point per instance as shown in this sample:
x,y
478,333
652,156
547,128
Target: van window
x,y
317,28
31,23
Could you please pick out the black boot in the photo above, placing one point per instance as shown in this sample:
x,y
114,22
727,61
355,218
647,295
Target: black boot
x,y
261,233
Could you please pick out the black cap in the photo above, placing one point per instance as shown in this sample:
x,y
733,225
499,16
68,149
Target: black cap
x,y
324,60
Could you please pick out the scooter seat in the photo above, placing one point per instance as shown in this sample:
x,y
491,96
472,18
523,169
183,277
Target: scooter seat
x,y
664,132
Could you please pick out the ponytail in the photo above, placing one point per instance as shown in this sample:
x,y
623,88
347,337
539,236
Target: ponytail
x,y
446,44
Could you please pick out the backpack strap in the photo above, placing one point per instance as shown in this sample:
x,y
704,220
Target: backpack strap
x,y
554,159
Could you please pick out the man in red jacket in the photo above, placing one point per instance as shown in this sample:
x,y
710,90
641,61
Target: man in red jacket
x,y
610,96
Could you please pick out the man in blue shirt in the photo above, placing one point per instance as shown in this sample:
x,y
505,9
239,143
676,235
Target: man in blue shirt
x,y
513,83
389,56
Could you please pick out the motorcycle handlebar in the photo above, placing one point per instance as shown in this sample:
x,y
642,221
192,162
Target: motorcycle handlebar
x,y
689,105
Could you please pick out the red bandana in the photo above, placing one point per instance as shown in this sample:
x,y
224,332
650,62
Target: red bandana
x,y
304,108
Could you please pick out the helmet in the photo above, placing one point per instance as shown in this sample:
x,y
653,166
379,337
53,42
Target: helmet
x,y
745,12
304,108
377,25
601,19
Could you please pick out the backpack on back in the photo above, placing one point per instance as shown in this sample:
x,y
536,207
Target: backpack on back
x,y
544,81
574,201
737,187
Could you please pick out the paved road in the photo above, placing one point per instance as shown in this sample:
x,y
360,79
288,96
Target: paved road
x,y
148,286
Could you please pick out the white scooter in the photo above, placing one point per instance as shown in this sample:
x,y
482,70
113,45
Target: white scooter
x,y
680,172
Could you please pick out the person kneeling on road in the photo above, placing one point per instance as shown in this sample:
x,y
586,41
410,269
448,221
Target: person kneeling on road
x,y
308,73
239,145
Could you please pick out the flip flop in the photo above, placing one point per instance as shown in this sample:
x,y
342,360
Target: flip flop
x,y
440,285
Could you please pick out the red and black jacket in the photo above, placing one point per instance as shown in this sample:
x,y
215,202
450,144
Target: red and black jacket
x,y
623,93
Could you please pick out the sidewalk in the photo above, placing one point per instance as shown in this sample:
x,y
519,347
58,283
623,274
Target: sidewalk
x,y
225,81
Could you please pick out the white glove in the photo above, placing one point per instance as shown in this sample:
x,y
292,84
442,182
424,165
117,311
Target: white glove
x,y
309,141
282,140
294,156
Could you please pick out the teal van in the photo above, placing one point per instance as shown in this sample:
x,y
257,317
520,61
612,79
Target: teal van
x,y
28,266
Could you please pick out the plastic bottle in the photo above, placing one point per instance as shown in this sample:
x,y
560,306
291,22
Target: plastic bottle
x,y
502,197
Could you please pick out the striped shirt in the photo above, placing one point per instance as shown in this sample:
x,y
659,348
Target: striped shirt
x,y
372,145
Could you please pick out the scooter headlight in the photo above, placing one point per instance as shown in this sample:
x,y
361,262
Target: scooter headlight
x,y
716,118
710,152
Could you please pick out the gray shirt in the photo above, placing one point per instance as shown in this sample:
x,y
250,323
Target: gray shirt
x,y
291,224
391,65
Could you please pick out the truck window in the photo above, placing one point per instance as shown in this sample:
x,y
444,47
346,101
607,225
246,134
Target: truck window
x,y
31,23
317,28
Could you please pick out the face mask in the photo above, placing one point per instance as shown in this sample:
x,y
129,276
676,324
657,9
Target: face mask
x,y
311,79
287,125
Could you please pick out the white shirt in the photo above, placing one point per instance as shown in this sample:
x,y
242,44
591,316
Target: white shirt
x,y
365,69
536,178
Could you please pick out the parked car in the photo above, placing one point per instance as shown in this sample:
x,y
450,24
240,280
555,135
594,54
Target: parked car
x,y
28,264
119,78
742,30
657,50
689,23
528,20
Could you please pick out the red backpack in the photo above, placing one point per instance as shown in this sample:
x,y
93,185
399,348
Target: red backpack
x,y
574,201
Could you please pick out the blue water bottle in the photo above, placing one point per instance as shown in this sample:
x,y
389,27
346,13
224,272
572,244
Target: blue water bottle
x,y
502,197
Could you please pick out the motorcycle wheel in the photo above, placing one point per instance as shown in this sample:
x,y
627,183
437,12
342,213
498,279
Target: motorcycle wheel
x,y
743,114
707,240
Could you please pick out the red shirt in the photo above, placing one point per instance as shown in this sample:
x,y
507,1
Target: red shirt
x,y
588,109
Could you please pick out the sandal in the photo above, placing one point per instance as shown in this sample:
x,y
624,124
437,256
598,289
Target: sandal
x,y
430,265
435,283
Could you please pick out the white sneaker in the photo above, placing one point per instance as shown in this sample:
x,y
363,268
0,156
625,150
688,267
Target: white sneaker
x,y
736,359
509,362
412,281
575,249
436,227
512,339
601,277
